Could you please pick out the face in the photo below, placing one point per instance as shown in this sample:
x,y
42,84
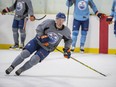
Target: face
x,y
59,22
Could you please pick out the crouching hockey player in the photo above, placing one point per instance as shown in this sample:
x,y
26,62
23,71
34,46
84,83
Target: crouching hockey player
x,y
49,34
113,15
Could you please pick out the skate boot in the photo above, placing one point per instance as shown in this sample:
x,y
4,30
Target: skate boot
x,y
18,72
21,46
72,49
82,50
15,46
9,70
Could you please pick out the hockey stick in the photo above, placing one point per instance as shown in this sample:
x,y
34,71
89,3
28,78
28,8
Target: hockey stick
x,y
28,18
41,18
68,16
84,64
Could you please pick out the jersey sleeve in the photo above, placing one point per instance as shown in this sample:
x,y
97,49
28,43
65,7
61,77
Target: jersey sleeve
x,y
13,7
93,6
30,10
67,38
70,3
113,7
40,28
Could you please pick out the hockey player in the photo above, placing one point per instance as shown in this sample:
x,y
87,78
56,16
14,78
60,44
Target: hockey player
x,y
81,18
49,34
113,15
22,9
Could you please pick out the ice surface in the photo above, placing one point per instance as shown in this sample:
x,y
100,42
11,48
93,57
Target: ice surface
x,y
56,71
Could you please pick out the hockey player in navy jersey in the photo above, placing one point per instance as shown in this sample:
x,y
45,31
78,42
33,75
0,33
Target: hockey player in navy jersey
x,y
22,8
81,18
49,34
113,15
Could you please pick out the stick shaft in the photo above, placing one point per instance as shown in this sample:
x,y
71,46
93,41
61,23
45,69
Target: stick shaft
x,y
85,65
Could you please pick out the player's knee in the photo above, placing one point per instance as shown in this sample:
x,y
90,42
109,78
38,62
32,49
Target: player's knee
x,y
25,53
34,60
15,30
84,33
22,31
75,33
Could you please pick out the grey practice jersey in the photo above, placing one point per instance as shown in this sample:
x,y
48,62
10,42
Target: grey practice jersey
x,y
55,35
22,8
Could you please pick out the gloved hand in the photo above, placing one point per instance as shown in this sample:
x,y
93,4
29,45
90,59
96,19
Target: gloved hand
x,y
109,19
67,53
44,39
32,18
100,15
4,11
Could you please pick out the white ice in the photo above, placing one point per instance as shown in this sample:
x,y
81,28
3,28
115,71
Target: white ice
x,y
56,71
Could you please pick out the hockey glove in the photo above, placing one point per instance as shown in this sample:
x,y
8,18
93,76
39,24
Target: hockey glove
x,y
4,11
32,18
100,15
44,40
67,53
109,19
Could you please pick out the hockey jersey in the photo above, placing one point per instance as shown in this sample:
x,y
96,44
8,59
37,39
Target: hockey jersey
x,y
22,9
55,35
81,8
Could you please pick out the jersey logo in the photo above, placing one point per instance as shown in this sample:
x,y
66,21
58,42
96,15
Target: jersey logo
x,y
19,6
53,37
82,5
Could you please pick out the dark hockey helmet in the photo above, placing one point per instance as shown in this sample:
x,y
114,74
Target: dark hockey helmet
x,y
61,15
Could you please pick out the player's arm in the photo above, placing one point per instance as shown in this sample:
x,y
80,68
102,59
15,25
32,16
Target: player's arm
x,y
110,18
9,9
94,8
67,44
113,9
30,10
69,3
42,27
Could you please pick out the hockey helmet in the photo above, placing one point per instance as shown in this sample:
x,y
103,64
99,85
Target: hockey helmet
x,y
61,15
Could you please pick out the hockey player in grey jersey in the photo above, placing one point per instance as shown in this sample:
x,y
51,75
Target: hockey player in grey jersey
x,y
49,34
22,9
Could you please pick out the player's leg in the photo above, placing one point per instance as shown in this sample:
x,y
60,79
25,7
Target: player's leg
x,y
19,59
85,25
28,50
15,34
22,32
76,25
38,57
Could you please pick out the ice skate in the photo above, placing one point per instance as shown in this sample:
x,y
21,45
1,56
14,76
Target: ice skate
x,y
9,70
15,46
21,46
18,72
72,49
82,50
